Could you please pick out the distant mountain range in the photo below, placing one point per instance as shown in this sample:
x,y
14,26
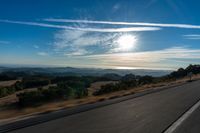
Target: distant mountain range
x,y
64,71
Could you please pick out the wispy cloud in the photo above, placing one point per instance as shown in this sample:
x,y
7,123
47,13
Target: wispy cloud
x,y
71,42
78,52
188,26
192,36
4,42
42,53
167,58
174,52
116,7
109,30
36,46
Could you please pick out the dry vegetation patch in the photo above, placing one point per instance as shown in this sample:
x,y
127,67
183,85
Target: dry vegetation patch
x,y
7,83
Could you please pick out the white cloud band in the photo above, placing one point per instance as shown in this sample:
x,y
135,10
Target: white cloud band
x,y
188,26
109,30
192,36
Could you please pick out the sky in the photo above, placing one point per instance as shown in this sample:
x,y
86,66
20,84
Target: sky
x,y
116,34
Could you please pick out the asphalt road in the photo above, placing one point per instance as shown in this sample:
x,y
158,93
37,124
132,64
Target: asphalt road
x,y
151,113
190,125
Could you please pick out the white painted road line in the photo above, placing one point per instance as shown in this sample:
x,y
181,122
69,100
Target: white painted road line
x,y
177,123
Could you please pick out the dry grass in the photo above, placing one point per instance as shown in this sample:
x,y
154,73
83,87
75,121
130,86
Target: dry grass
x,y
7,114
7,83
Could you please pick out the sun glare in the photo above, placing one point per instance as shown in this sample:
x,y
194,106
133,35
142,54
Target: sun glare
x,y
126,42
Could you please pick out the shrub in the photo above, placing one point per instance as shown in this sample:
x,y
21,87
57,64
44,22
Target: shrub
x,y
81,92
5,77
145,80
107,89
129,81
30,98
18,86
4,91
34,83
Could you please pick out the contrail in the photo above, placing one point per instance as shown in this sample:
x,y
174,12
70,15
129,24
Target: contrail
x,y
188,26
129,29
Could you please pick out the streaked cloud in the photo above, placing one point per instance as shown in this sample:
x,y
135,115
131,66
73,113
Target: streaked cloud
x,y
166,58
192,36
71,42
170,53
42,53
187,26
78,52
36,46
109,30
116,7
4,42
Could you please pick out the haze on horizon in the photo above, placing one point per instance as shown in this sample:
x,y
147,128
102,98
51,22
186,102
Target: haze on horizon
x,y
118,34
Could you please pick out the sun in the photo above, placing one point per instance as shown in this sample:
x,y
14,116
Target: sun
x,y
126,42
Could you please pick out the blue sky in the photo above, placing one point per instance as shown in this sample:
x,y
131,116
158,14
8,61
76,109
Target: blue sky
x,y
146,34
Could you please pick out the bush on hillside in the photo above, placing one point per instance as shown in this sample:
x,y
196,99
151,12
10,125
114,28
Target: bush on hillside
x,y
63,90
5,91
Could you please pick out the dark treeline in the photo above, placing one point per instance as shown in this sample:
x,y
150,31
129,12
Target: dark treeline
x,y
181,72
5,77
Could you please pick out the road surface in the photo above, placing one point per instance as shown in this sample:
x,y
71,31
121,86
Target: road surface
x,y
191,125
151,113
